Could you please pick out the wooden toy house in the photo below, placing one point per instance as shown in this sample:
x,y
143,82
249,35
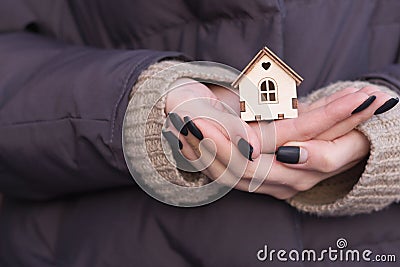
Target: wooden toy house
x,y
267,88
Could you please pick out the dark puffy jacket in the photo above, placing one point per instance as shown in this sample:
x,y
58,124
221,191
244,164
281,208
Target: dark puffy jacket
x,y
66,71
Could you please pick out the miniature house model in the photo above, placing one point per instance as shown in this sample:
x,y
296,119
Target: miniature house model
x,y
267,88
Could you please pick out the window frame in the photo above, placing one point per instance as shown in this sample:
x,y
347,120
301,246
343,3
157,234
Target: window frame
x,y
268,91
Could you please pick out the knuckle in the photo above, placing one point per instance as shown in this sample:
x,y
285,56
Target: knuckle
x,y
302,186
275,180
327,164
285,194
250,172
306,133
362,116
333,113
369,89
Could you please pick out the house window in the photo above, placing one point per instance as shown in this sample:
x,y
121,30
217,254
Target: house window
x,y
268,91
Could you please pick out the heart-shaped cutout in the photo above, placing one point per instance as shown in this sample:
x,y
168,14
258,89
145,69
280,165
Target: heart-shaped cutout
x,y
266,65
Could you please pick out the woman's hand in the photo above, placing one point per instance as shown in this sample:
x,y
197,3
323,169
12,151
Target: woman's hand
x,y
190,99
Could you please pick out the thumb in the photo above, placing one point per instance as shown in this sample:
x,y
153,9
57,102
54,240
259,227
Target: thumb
x,y
324,156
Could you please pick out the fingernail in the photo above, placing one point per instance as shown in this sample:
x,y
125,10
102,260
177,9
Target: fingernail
x,y
193,128
246,149
172,139
178,123
365,104
289,154
387,106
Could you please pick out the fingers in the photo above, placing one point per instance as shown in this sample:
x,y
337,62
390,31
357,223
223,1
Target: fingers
x,y
361,114
384,101
199,119
207,148
377,102
230,97
184,161
187,90
277,191
268,172
266,132
228,166
327,99
280,180
222,159
196,101
348,111
325,156
312,123
227,128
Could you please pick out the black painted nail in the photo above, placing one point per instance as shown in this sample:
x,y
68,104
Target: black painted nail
x,y
193,128
172,139
246,149
288,154
178,123
365,104
387,106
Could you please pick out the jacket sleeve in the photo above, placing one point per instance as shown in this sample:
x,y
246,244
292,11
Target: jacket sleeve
x,y
61,114
388,76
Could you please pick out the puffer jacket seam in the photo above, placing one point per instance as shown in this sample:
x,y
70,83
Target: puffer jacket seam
x,y
50,121
200,23
297,232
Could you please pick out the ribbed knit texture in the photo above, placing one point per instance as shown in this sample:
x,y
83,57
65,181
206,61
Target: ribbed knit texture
x,y
359,190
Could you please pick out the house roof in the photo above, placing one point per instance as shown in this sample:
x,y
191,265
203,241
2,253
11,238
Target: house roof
x,y
276,59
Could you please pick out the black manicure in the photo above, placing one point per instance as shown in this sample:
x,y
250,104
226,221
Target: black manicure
x,y
193,128
246,149
288,154
365,104
387,106
178,123
172,139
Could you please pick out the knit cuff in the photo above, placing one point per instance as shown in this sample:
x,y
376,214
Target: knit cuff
x,y
146,152
364,188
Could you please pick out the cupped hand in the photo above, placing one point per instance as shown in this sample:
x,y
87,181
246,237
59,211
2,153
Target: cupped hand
x,y
319,144
190,101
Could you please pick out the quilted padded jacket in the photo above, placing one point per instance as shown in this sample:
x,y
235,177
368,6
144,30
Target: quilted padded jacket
x,y
67,68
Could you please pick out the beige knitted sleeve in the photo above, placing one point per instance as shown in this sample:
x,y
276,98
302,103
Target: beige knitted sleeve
x,y
371,185
145,151
368,187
